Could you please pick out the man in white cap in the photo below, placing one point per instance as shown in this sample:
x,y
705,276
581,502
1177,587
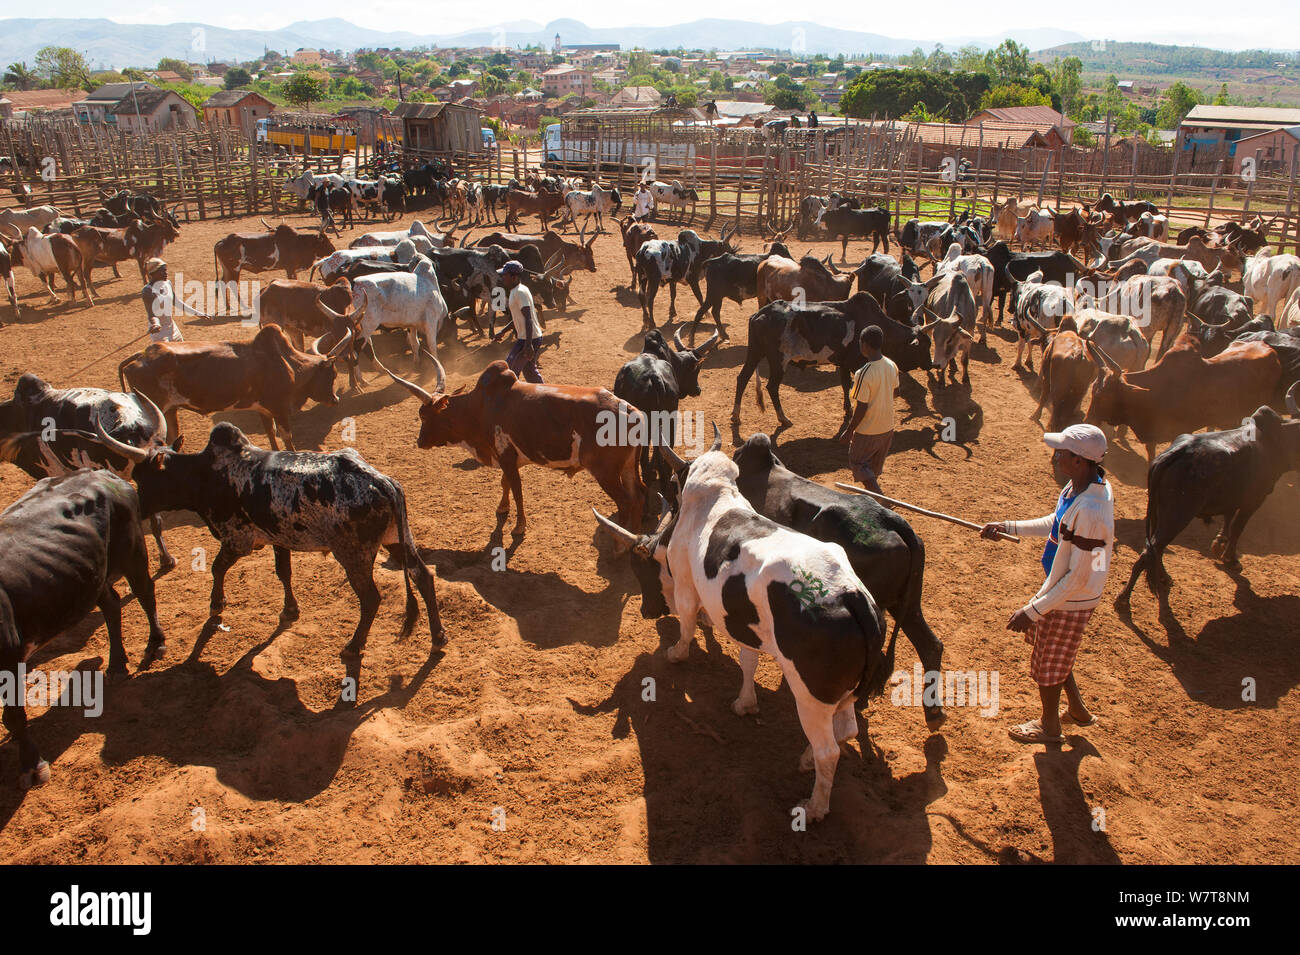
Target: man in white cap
x,y
528,330
161,303
1080,536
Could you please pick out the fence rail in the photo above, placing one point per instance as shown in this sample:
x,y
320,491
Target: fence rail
x,y
753,178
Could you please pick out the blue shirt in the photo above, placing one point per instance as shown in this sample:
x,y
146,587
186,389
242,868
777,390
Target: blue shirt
x,y
1054,538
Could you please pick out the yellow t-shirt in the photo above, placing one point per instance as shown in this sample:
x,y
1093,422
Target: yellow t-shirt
x,y
874,385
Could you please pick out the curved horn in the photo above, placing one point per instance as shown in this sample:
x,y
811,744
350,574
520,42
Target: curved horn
x,y
338,349
266,225
621,534
412,387
1102,352
717,438
1291,400
1032,321
677,340
159,419
678,463
130,452
706,345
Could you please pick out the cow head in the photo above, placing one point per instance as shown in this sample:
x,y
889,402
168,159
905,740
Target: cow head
x,y
947,334
649,554
687,362
1107,388
439,425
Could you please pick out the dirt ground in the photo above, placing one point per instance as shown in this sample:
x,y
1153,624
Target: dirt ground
x,y
529,738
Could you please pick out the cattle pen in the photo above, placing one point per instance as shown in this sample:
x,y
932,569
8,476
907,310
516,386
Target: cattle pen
x,y
753,177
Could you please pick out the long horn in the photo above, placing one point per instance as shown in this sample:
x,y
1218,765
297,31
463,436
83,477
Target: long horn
x,y
678,463
338,349
1291,398
1110,361
706,345
128,451
266,225
717,438
412,387
1034,322
677,340
159,419
621,534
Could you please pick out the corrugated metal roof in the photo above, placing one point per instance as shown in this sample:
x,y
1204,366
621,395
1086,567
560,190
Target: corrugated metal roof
x,y
1206,115
419,110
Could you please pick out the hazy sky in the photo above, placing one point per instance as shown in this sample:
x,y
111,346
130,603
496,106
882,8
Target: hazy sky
x,y
1204,22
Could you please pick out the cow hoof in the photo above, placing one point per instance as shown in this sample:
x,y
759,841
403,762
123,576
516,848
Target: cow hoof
x,y
785,422
349,655
1233,565
1217,547
439,639
934,719
814,812
38,776
289,614
744,709
166,565
678,654
117,674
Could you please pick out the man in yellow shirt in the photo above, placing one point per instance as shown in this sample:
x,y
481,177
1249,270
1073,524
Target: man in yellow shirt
x,y
870,431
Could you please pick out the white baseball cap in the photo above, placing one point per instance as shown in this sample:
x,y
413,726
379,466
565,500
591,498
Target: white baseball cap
x,y
1085,440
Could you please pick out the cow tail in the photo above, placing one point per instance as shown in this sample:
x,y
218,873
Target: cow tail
x,y
121,369
878,667
409,554
758,390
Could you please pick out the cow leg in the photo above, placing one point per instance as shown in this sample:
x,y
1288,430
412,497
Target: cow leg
x,y
49,287
752,358
844,248
846,381
1233,528
777,372
136,572
224,560
619,480
823,752
510,484
1147,557
747,702
672,300
110,605
360,566
695,287
284,570
268,423
649,289
413,566
686,616
33,771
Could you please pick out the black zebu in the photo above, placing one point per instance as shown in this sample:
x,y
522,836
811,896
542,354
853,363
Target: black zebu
x,y
62,546
883,549
821,333
1218,473
735,276
294,501
655,381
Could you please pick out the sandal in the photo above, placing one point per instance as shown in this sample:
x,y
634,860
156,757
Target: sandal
x,y
1068,717
1032,732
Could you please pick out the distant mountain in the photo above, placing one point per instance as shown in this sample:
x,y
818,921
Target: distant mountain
x,y
116,45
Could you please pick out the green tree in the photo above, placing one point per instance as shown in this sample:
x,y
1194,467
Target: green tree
x,y
639,61
969,59
64,67
939,60
237,77
1013,94
786,99
303,89
1221,98
1175,103
20,76
717,81
1068,81
1008,63
179,67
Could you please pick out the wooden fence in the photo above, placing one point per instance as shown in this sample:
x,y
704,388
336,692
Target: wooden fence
x,y
746,176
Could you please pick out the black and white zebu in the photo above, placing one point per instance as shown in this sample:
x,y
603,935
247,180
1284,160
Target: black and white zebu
x,y
772,590
294,501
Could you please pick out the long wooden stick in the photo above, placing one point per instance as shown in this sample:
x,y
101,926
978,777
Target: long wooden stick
x,y
920,510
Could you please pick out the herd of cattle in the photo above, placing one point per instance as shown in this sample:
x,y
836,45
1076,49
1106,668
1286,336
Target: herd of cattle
x,y
786,566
